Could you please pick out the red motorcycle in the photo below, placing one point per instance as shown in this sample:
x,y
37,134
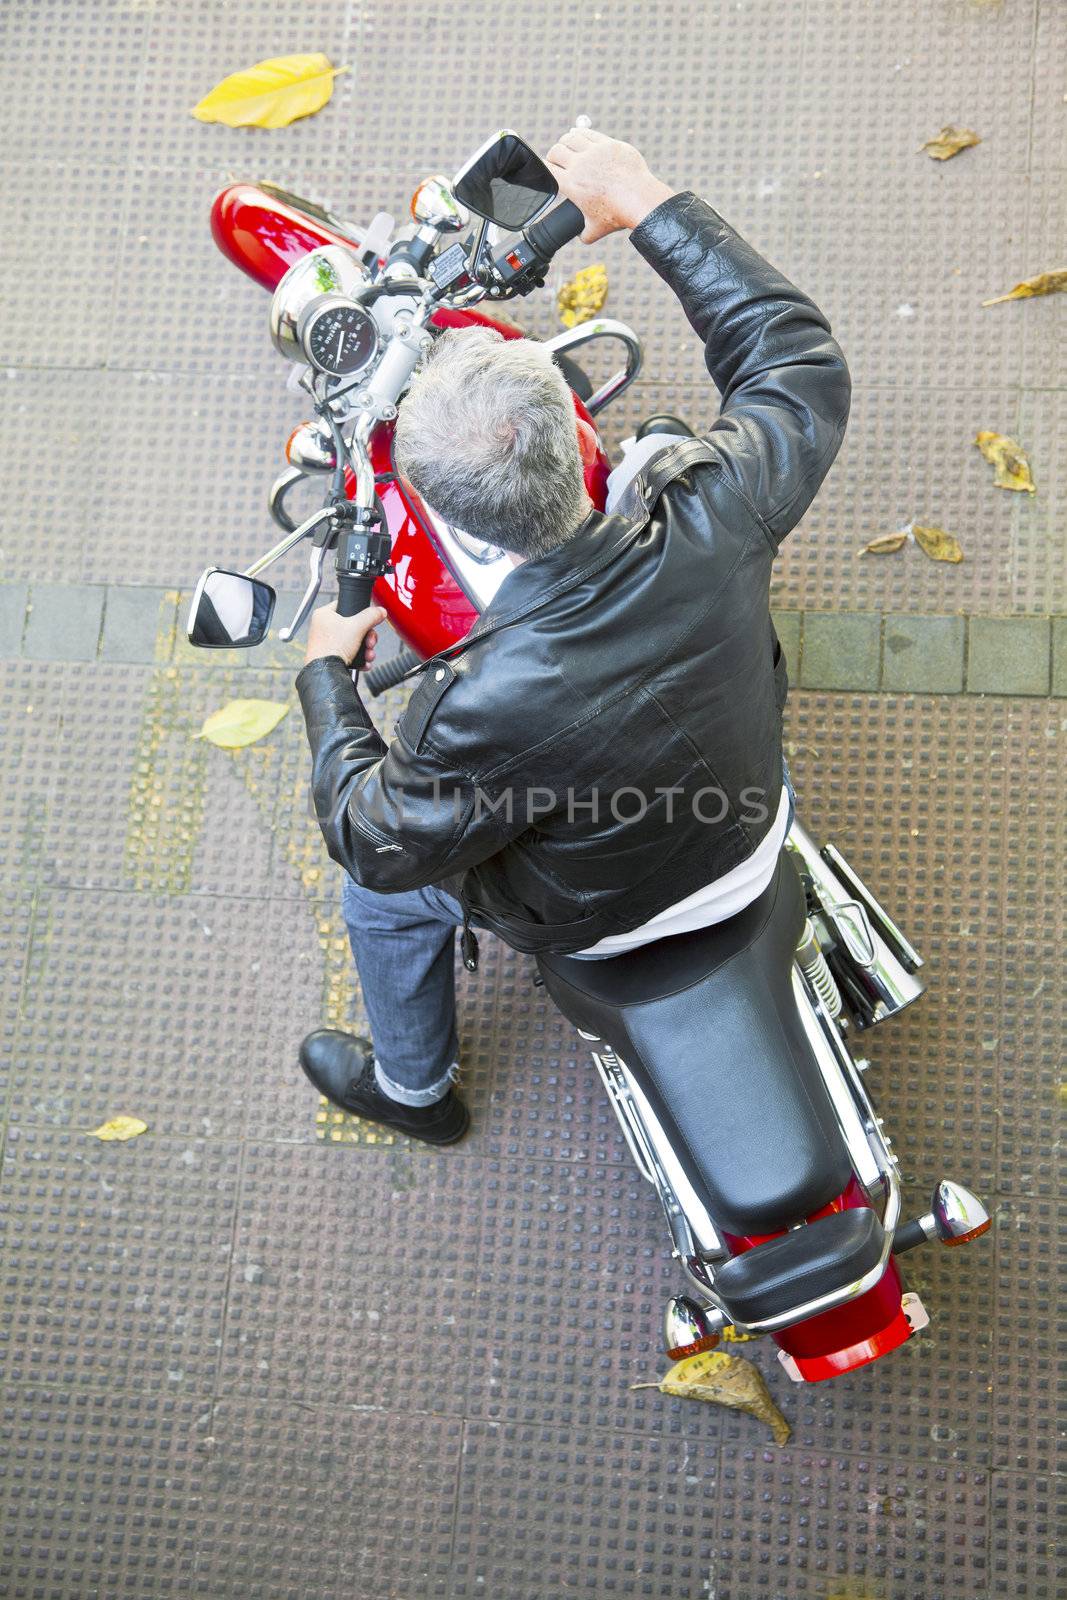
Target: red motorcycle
x,y
779,1186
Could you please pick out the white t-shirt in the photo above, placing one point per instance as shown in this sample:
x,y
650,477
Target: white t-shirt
x,y
714,903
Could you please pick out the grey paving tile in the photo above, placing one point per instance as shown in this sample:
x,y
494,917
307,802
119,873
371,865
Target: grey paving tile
x,y
841,650
841,227
924,655
73,331
1027,1514
1059,656
804,1524
1033,1020
13,598
84,1052
142,1463
1043,337
138,624
76,92
602,1513
787,625
1028,1423
539,1220
146,1316
1008,655
355,1244
31,696
19,907
63,622
1039,555
1048,129
279,1474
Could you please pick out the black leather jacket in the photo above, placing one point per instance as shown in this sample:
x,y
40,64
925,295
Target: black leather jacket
x,y
607,739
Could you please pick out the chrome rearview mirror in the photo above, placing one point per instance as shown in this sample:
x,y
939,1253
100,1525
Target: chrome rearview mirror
x,y
229,611
506,182
434,205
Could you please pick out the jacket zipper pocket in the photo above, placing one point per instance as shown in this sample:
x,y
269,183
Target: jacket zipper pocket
x,y
381,840
468,943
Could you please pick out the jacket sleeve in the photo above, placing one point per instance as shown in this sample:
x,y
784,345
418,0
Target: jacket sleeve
x,y
396,816
783,379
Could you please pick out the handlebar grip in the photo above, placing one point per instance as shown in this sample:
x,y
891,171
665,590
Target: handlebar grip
x,y
564,223
354,594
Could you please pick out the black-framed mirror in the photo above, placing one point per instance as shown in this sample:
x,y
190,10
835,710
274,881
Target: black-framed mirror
x,y
229,611
506,182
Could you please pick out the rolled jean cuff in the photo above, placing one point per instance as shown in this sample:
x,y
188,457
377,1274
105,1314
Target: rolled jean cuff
x,y
415,1097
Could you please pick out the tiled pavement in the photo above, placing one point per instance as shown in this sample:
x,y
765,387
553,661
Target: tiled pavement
x,y
260,1352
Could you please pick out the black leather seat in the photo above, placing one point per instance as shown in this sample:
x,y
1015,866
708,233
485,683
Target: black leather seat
x,y
708,1024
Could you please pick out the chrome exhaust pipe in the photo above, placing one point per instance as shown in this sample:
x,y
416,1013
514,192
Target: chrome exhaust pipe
x,y
874,965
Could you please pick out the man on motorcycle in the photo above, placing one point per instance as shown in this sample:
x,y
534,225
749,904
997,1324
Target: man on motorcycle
x,y
599,763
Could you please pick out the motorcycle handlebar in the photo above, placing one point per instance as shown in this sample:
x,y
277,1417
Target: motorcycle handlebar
x,y
354,594
564,223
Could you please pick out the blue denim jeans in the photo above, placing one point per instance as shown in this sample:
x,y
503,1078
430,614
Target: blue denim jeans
x,y
403,945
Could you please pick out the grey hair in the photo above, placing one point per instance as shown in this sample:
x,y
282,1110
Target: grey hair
x,y
487,437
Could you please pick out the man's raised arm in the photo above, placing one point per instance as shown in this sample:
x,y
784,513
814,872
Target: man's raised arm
x,y
783,379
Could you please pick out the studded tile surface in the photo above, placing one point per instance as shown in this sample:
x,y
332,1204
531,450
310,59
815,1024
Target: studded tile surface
x,y
545,1510
255,1353
362,1247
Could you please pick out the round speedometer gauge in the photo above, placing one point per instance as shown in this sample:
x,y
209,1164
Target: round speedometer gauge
x,y
339,337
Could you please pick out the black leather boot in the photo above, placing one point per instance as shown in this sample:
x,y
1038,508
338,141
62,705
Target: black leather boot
x,y
341,1066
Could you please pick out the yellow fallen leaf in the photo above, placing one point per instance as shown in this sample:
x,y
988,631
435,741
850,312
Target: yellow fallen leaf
x,y
1044,283
937,544
242,722
118,1129
1010,460
583,296
949,142
886,545
271,94
726,1381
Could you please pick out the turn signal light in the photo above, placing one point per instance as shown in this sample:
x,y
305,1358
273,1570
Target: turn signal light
x,y
310,448
965,1238
687,1329
959,1215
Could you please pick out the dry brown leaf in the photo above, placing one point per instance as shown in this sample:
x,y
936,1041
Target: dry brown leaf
x,y
886,545
1010,461
937,544
118,1129
726,1381
271,94
583,296
1045,283
950,141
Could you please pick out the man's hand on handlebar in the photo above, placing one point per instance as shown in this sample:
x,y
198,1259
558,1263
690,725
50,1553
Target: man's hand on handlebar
x,y
331,635
609,181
